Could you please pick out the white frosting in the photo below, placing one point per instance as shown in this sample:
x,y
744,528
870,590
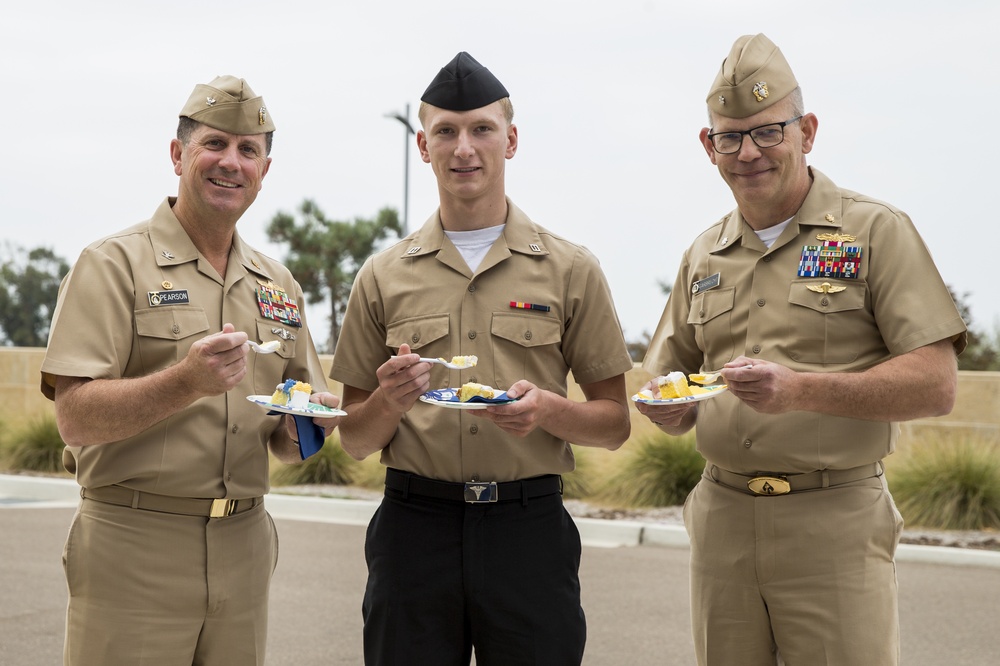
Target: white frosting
x,y
299,399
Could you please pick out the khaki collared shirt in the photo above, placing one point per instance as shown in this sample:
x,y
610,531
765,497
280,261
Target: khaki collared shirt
x,y
422,293
132,305
763,309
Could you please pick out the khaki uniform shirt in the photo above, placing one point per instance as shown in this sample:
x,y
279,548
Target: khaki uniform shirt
x,y
894,302
132,305
422,292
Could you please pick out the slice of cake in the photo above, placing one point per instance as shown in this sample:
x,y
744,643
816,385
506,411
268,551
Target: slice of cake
x,y
471,390
673,385
292,393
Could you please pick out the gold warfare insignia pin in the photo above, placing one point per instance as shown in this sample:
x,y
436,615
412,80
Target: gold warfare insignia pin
x,y
837,238
826,288
760,91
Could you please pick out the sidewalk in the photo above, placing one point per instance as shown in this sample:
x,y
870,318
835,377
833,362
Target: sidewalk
x,y
635,595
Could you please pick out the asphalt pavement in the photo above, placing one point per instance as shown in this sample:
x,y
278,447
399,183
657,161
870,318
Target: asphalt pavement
x,y
634,579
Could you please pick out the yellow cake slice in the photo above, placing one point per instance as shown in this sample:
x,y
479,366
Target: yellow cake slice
x,y
673,385
471,390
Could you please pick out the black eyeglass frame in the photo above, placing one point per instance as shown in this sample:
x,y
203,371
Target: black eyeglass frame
x,y
749,132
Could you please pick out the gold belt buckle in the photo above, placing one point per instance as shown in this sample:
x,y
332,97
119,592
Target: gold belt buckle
x,y
769,485
222,508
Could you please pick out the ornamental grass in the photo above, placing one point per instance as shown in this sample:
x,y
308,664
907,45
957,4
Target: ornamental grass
x,y
950,484
655,470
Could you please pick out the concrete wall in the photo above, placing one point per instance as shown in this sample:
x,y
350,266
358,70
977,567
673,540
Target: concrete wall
x,y
977,409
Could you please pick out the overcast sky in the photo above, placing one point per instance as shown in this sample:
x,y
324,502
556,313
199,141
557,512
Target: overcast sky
x,y
609,98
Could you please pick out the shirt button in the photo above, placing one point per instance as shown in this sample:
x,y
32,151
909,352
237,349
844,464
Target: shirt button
x,y
472,288
825,301
756,349
747,443
229,476
472,335
474,429
176,329
415,337
235,428
527,335
761,302
767,259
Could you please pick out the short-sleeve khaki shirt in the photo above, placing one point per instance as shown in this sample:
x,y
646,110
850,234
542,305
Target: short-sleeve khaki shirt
x,y
734,296
421,292
132,305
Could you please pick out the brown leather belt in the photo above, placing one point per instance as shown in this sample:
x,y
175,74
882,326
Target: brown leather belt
x,y
765,484
208,508
473,492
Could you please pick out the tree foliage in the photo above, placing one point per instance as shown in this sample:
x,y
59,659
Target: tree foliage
x,y
29,287
325,255
981,352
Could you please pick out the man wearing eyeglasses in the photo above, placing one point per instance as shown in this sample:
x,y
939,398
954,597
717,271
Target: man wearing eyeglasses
x,y
831,324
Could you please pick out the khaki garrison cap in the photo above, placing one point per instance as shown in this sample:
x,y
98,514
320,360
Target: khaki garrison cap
x,y
228,104
753,77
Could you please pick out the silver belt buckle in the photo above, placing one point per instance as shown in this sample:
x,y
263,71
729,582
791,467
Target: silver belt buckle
x,y
769,485
222,508
480,492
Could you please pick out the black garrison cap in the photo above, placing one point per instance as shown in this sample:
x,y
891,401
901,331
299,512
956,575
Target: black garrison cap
x,y
462,85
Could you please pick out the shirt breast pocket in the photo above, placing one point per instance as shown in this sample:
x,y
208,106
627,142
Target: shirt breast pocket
x,y
527,347
825,326
164,335
427,335
711,316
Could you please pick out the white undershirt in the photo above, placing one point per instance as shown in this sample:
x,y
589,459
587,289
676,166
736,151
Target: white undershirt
x,y
473,245
769,235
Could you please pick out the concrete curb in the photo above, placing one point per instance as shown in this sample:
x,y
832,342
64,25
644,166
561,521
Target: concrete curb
x,y
47,492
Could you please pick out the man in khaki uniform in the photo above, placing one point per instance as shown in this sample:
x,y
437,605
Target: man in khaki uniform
x,y
832,323
170,554
471,546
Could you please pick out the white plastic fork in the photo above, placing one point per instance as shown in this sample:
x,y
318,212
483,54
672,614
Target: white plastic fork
x,y
472,360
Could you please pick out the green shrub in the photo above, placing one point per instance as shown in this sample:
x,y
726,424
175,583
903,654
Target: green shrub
x,y
953,485
657,470
37,447
330,465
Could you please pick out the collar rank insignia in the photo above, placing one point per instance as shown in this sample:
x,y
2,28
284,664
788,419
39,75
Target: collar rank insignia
x,y
832,259
275,304
826,288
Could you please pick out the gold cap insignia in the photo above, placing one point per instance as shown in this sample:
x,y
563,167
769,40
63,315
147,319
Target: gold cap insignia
x,y
262,116
837,238
210,101
826,288
760,91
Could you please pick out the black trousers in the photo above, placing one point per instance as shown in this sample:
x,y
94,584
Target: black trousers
x,y
445,577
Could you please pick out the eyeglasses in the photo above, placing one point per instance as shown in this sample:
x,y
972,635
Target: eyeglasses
x,y
765,136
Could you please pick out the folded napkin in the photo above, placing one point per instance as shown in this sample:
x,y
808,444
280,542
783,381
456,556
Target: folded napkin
x,y
309,435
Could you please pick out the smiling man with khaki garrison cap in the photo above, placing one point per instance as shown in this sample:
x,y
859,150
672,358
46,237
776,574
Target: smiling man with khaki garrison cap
x,y
807,295
170,554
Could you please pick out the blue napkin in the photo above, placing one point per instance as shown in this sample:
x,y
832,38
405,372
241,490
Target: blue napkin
x,y
309,434
451,395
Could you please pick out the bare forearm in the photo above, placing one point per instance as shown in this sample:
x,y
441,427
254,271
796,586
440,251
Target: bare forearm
x,y
601,423
92,412
919,384
370,424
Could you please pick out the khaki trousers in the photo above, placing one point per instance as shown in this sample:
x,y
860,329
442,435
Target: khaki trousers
x,y
807,577
158,589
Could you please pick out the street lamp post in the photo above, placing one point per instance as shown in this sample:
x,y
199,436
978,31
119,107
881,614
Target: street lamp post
x,y
405,120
